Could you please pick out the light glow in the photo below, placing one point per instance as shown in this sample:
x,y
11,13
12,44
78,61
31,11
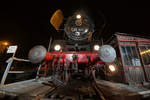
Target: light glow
x,y
96,47
144,52
112,68
5,43
78,16
57,47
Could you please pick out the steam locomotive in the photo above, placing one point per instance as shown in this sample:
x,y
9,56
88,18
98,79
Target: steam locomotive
x,y
77,54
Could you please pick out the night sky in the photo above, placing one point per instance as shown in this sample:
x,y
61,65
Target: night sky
x,y
26,23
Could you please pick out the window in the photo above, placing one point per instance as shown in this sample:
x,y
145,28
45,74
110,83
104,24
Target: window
x,y
130,56
145,53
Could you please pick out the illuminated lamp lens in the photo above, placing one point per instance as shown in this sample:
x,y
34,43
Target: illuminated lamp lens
x,y
57,47
112,68
78,16
96,47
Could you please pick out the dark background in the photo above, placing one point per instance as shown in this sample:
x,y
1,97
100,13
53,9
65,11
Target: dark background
x,y
26,23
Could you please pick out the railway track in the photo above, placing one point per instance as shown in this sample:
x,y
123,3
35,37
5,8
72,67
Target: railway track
x,y
74,90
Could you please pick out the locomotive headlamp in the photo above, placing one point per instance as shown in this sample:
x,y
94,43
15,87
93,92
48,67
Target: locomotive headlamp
x,y
57,47
112,68
78,16
96,47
